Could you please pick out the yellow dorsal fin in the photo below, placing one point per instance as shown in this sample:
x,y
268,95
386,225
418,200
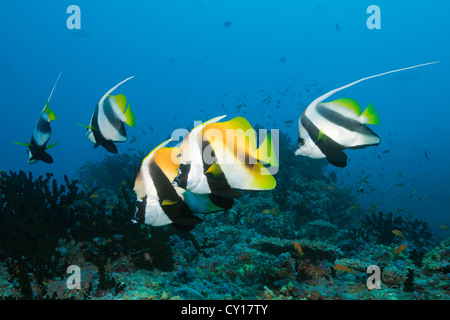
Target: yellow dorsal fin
x,y
346,103
236,135
121,101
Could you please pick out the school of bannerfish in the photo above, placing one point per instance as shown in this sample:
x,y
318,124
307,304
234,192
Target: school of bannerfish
x,y
208,169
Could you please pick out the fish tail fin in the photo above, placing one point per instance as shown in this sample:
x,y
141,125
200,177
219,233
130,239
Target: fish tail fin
x,y
370,115
266,151
129,117
261,179
256,177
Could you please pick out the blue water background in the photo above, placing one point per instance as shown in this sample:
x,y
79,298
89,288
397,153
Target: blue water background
x,y
189,66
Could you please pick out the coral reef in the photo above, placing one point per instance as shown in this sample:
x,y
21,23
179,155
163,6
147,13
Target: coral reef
x,y
302,240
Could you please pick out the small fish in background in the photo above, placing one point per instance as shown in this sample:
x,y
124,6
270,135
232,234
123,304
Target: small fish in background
x,y
427,155
226,24
298,247
325,129
400,248
413,192
147,257
282,59
107,122
398,233
444,227
41,135
343,268
337,27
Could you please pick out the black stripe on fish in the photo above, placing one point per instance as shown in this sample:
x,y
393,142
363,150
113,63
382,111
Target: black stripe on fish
x,y
343,121
183,173
99,139
113,118
139,216
330,148
218,183
43,127
222,202
178,212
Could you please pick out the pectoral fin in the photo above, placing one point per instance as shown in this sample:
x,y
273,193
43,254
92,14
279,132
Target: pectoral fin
x,y
168,202
22,144
87,127
51,145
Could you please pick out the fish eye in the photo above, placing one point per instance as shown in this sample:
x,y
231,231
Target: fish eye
x,y
301,142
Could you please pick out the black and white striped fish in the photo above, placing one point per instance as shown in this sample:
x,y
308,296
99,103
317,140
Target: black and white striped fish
x,y
160,202
41,135
327,128
222,157
107,122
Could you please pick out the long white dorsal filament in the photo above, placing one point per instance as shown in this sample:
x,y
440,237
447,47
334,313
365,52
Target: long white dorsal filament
x,y
114,88
54,87
328,94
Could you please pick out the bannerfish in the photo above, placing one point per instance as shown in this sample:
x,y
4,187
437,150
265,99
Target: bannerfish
x,y
222,158
160,202
41,135
327,128
107,122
